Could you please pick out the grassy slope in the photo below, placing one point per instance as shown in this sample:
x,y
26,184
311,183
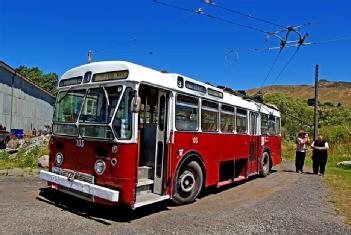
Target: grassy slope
x,y
338,179
339,94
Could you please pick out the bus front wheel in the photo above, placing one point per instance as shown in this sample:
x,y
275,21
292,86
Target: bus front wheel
x,y
188,183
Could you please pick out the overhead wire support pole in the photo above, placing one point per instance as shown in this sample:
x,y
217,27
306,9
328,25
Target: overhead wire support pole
x,y
89,56
316,104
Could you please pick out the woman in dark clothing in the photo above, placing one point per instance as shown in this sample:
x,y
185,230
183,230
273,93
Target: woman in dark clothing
x,y
320,155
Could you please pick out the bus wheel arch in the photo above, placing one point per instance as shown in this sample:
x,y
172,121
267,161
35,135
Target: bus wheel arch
x,y
265,163
189,179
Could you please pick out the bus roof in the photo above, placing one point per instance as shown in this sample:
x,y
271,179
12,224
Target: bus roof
x,y
141,74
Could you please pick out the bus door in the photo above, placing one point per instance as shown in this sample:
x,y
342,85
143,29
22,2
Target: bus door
x,y
160,142
254,141
152,128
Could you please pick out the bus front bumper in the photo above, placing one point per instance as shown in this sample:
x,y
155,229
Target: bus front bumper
x,y
81,186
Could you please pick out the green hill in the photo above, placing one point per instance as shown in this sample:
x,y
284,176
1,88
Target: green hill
x,y
329,92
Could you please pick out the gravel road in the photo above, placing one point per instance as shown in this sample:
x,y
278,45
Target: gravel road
x,y
282,203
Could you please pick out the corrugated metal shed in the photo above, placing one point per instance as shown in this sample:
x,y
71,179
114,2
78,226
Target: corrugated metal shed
x,y
23,105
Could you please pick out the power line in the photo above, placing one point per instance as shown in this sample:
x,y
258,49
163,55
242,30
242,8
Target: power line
x,y
329,40
244,14
327,16
116,45
302,121
272,66
286,65
149,52
201,12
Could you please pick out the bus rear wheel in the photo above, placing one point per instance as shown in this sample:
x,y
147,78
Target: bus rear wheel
x,y
188,183
265,164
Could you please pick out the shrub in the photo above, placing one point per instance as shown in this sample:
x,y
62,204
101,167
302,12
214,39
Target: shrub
x,y
4,156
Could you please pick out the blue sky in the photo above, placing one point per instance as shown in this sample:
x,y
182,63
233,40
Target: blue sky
x,y
56,36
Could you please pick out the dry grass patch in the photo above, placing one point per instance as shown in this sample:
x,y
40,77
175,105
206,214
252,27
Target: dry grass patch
x,y
339,182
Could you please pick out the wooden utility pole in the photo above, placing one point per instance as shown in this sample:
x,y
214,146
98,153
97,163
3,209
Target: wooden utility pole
x,y
316,104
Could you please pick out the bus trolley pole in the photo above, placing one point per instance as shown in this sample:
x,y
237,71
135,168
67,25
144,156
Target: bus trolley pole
x,y
316,104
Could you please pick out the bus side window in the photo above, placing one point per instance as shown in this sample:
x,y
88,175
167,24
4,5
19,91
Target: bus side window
x,y
209,116
186,114
227,119
264,124
241,121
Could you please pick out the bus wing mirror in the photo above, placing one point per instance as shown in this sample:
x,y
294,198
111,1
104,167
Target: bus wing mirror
x,y
135,104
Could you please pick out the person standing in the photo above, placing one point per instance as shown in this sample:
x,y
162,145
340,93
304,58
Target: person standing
x,y
320,155
301,148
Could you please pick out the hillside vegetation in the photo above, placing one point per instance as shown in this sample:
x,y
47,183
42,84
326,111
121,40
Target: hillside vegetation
x,y
329,92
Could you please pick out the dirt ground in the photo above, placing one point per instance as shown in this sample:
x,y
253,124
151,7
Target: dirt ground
x,y
282,203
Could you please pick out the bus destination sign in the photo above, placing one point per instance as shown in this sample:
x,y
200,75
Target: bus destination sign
x,y
114,75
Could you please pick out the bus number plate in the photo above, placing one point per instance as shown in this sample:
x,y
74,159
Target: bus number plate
x,y
80,143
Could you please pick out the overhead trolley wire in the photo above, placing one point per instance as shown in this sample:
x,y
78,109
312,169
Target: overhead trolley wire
x,y
327,17
244,14
108,49
201,12
327,41
116,45
272,66
286,65
303,44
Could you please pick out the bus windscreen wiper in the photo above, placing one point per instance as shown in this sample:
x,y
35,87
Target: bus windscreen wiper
x,y
106,96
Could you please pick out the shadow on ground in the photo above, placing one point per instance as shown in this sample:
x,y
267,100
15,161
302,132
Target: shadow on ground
x,y
124,214
214,190
97,212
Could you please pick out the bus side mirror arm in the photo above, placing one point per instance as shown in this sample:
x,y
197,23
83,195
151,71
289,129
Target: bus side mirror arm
x,y
135,104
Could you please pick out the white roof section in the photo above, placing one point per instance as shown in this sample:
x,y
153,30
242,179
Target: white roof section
x,y
141,74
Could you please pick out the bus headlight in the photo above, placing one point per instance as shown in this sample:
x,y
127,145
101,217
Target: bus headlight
x,y
59,158
100,167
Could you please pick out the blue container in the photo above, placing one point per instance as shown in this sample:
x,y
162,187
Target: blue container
x,y
18,133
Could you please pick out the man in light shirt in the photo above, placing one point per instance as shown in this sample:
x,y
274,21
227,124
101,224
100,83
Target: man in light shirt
x,y
301,148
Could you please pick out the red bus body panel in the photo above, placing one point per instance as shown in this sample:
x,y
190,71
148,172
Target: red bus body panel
x,y
214,148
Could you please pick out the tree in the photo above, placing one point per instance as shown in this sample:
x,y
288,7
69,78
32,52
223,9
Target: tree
x,y
46,81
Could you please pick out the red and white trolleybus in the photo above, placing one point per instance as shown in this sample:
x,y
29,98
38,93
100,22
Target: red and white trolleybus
x,y
127,134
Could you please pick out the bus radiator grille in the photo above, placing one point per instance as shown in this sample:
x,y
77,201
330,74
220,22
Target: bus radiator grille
x,y
78,175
